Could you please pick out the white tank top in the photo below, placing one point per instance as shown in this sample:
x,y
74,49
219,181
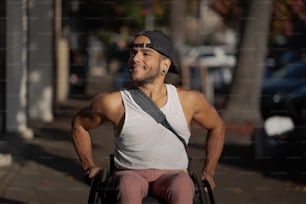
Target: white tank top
x,y
143,143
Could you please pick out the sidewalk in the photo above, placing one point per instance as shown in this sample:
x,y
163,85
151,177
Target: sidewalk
x,y
47,171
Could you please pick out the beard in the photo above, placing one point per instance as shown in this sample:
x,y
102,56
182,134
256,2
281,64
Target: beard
x,y
145,78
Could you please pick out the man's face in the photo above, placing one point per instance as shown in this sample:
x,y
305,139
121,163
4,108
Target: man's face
x,y
144,62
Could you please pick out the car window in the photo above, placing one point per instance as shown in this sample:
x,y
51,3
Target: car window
x,y
291,71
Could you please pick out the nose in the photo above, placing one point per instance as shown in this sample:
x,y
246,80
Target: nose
x,y
136,56
132,59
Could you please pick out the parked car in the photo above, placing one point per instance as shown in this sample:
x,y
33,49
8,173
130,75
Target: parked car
x,y
284,93
283,110
218,61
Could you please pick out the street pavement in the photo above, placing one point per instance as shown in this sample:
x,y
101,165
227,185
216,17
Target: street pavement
x,y
46,170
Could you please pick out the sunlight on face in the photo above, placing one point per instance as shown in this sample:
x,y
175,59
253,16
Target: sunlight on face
x,y
144,62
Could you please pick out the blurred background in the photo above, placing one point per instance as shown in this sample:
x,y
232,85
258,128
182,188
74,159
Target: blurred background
x,y
246,56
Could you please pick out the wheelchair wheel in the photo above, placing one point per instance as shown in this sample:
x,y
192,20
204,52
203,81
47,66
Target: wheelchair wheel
x,y
98,183
202,197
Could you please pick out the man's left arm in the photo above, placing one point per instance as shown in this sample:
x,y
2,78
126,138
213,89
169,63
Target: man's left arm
x,y
207,116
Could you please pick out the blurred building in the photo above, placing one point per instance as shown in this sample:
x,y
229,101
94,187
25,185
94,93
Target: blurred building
x,y
44,57
34,60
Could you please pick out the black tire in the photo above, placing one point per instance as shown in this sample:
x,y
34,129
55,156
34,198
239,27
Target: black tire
x,y
96,193
202,197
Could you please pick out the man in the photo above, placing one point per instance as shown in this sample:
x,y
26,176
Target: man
x,y
149,157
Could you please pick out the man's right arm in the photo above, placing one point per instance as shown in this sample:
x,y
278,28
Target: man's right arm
x,y
88,118
104,107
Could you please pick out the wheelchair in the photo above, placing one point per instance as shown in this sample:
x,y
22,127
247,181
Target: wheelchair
x,y
99,187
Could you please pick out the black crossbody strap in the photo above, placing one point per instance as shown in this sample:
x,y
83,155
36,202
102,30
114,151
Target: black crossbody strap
x,y
151,108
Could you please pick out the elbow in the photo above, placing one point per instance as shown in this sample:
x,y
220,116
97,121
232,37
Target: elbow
x,y
222,130
74,122
218,131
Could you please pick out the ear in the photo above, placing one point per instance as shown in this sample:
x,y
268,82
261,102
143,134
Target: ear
x,y
166,63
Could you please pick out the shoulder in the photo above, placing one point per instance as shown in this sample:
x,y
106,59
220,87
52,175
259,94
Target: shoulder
x,y
108,104
107,99
198,108
104,107
190,96
193,101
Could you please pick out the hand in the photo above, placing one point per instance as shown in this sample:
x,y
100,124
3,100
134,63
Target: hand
x,y
92,172
209,177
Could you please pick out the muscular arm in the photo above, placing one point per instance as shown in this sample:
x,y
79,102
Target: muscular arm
x,y
205,115
85,120
208,117
103,108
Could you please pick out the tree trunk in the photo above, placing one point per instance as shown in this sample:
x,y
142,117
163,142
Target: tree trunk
x,y
177,31
243,103
177,22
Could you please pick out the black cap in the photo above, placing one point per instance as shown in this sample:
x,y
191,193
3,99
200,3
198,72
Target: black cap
x,y
162,44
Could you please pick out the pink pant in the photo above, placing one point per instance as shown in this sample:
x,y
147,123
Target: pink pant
x,y
173,186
